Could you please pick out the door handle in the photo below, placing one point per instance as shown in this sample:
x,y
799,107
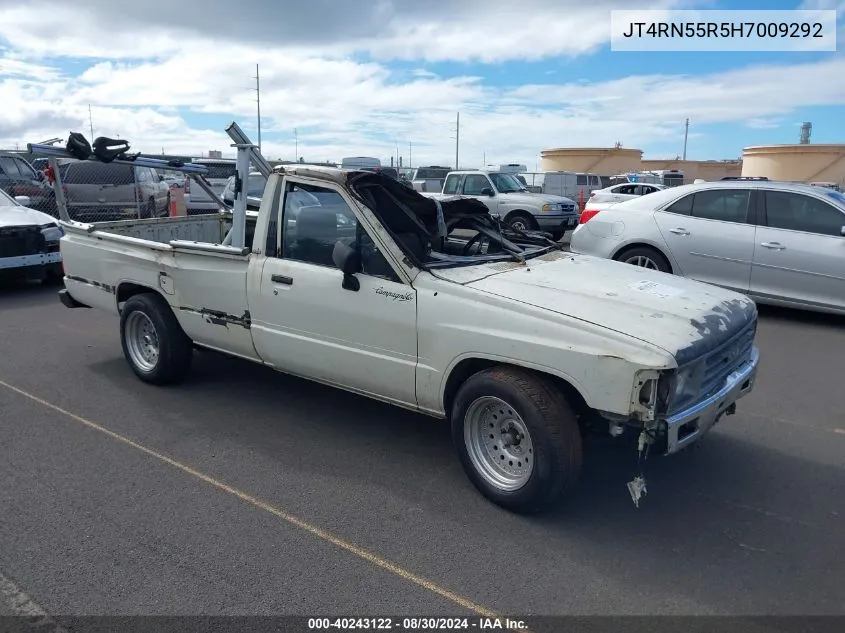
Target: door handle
x,y
773,245
679,231
281,279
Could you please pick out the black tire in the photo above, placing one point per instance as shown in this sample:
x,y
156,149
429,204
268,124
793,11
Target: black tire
x,y
148,210
652,254
166,211
523,218
54,275
175,349
557,236
552,426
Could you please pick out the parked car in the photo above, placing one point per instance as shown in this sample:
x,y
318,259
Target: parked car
x,y
112,191
18,178
521,346
781,243
29,241
255,189
508,200
429,178
603,198
219,172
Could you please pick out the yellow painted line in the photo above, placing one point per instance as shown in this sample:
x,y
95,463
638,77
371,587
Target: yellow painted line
x,y
320,533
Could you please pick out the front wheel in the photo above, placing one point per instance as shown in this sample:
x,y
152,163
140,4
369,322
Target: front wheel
x,y
521,222
517,438
154,344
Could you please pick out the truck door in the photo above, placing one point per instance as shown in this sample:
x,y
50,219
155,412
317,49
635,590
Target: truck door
x,y
306,323
479,186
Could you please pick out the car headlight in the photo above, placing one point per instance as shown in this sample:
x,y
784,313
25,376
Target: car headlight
x,y
552,208
52,233
684,387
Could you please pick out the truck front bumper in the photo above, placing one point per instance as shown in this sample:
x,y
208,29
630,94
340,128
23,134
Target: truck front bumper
x,y
687,427
30,261
557,222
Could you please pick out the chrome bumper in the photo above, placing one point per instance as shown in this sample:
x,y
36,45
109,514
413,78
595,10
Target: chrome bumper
x,y
687,427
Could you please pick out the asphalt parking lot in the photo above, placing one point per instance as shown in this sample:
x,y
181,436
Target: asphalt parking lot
x,y
244,491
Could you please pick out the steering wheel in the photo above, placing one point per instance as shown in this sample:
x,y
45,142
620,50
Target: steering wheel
x,y
477,239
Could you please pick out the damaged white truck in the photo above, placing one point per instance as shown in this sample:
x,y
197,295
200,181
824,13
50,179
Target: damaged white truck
x,y
350,279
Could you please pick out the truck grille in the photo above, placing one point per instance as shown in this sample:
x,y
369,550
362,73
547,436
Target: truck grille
x,y
16,241
568,208
722,362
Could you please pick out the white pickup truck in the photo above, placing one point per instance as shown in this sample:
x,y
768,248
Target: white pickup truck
x,y
353,280
509,200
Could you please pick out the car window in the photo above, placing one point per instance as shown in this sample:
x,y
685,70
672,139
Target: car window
x,y
9,166
730,205
581,180
93,173
315,219
25,169
474,183
797,212
627,190
451,186
682,206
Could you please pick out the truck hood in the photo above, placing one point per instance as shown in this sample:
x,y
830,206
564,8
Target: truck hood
x,y
685,318
23,216
542,198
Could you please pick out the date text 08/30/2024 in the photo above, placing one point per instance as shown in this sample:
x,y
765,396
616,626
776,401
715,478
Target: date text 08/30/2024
x,y
416,624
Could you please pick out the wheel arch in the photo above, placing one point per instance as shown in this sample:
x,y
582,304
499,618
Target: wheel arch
x,y
125,290
522,212
462,368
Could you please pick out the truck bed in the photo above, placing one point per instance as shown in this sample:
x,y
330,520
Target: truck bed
x,y
209,228
181,258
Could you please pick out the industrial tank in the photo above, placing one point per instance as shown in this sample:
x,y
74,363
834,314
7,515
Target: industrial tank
x,y
804,162
593,160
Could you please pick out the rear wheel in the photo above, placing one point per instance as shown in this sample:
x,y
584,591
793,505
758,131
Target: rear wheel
x,y
154,344
645,257
517,438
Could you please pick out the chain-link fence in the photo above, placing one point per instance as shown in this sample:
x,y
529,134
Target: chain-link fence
x,y
100,192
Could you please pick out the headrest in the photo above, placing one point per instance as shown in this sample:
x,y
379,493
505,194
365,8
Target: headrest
x,y
316,222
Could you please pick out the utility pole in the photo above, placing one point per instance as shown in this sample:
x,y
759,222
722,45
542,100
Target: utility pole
x,y
90,122
686,135
296,144
410,155
258,102
457,140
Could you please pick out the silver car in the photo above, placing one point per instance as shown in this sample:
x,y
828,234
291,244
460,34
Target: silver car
x,y
780,243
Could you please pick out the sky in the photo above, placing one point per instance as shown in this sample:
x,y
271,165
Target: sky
x,y
386,78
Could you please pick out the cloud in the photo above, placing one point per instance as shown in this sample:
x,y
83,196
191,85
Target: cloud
x,y
172,79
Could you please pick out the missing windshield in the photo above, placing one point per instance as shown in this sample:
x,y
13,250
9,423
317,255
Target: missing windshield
x,y
453,232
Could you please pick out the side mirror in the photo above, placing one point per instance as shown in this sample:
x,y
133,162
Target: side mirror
x,y
348,261
842,231
24,201
487,191
160,178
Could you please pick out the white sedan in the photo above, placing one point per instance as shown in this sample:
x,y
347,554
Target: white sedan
x,y
603,198
778,242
